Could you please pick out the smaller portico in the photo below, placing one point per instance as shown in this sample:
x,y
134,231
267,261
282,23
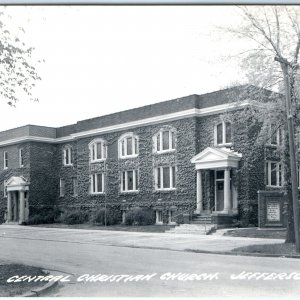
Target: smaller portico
x,y
17,207
221,161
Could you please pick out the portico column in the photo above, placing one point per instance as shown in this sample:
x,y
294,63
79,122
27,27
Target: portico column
x,y
199,192
22,208
9,207
15,207
227,205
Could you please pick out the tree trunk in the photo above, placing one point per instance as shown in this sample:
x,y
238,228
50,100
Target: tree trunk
x,y
290,232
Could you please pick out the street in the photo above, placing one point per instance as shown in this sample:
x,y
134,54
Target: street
x,y
79,252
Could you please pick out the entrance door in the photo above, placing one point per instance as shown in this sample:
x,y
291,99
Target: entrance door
x,y
219,190
15,206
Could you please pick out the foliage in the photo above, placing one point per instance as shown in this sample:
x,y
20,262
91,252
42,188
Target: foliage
x,y
47,216
112,218
271,33
74,217
17,73
140,216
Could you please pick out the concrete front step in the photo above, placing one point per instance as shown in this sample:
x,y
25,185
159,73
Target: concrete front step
x,y
193,229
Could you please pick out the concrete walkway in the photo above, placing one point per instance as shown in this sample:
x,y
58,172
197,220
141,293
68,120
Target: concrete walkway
x,y
179,242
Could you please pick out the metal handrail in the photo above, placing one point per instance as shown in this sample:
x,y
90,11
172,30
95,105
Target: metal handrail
x,y
188,210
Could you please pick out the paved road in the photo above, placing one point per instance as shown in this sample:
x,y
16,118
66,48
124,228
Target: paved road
x,y
79,252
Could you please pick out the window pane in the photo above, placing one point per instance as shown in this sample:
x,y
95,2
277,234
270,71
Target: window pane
x,y
220,134
166,177
67,156
273,174
93,153
158,178
104,151
173,140
273,135
136,179
174,176
75,187
136,146
228,132
129,146
279,175
165,137
158,142
99,150
99,183
93,183
130,180
123,147
123,181
220,174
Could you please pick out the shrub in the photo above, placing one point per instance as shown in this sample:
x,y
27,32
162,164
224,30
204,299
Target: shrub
x,y
74,217
43,217
140,216
111,217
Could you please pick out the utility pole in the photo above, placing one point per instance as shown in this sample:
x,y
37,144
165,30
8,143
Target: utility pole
x,y
290,122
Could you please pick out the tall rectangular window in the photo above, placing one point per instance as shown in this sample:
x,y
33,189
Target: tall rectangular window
x,y
275,174
129,181
220,134
75,187
5,159
97,183
165,178
164,141
61,188
21,158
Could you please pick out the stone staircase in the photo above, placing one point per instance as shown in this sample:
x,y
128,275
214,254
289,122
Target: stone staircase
x,y
200,224
200,229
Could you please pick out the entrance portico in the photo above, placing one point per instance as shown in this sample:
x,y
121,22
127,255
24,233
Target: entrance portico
x,y
17,194
221,162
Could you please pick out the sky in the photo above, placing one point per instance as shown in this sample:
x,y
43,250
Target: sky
x,y
105,59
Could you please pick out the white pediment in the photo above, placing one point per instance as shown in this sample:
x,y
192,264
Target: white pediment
x,y
16,183
212,158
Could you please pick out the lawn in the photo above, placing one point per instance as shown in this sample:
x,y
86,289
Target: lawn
x,y
257,233
17,288
272,249
147,228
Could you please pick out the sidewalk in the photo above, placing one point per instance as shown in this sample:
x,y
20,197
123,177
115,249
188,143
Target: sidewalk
x,y
178,242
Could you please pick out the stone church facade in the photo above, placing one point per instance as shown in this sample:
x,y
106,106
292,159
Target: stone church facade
x,y
174,157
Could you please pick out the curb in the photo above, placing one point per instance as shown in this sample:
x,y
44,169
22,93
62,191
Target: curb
x,y
236,253
40,291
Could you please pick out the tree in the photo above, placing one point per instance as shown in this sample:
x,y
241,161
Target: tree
x,y
273,33
17,73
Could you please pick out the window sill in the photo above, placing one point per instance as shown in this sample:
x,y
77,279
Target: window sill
x,y
165,190
98,160
69,165
164,151
128,156
224,145
129,192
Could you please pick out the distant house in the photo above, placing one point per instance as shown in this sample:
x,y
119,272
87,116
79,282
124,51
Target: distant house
x,y
177,156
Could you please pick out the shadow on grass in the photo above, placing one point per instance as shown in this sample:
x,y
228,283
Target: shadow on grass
x,y
17,288
271,249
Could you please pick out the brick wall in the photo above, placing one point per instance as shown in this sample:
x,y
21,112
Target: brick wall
x,y
184,195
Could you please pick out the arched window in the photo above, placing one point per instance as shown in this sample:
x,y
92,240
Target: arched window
x,y
164,140
98,150
128,145
223,134
67,155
